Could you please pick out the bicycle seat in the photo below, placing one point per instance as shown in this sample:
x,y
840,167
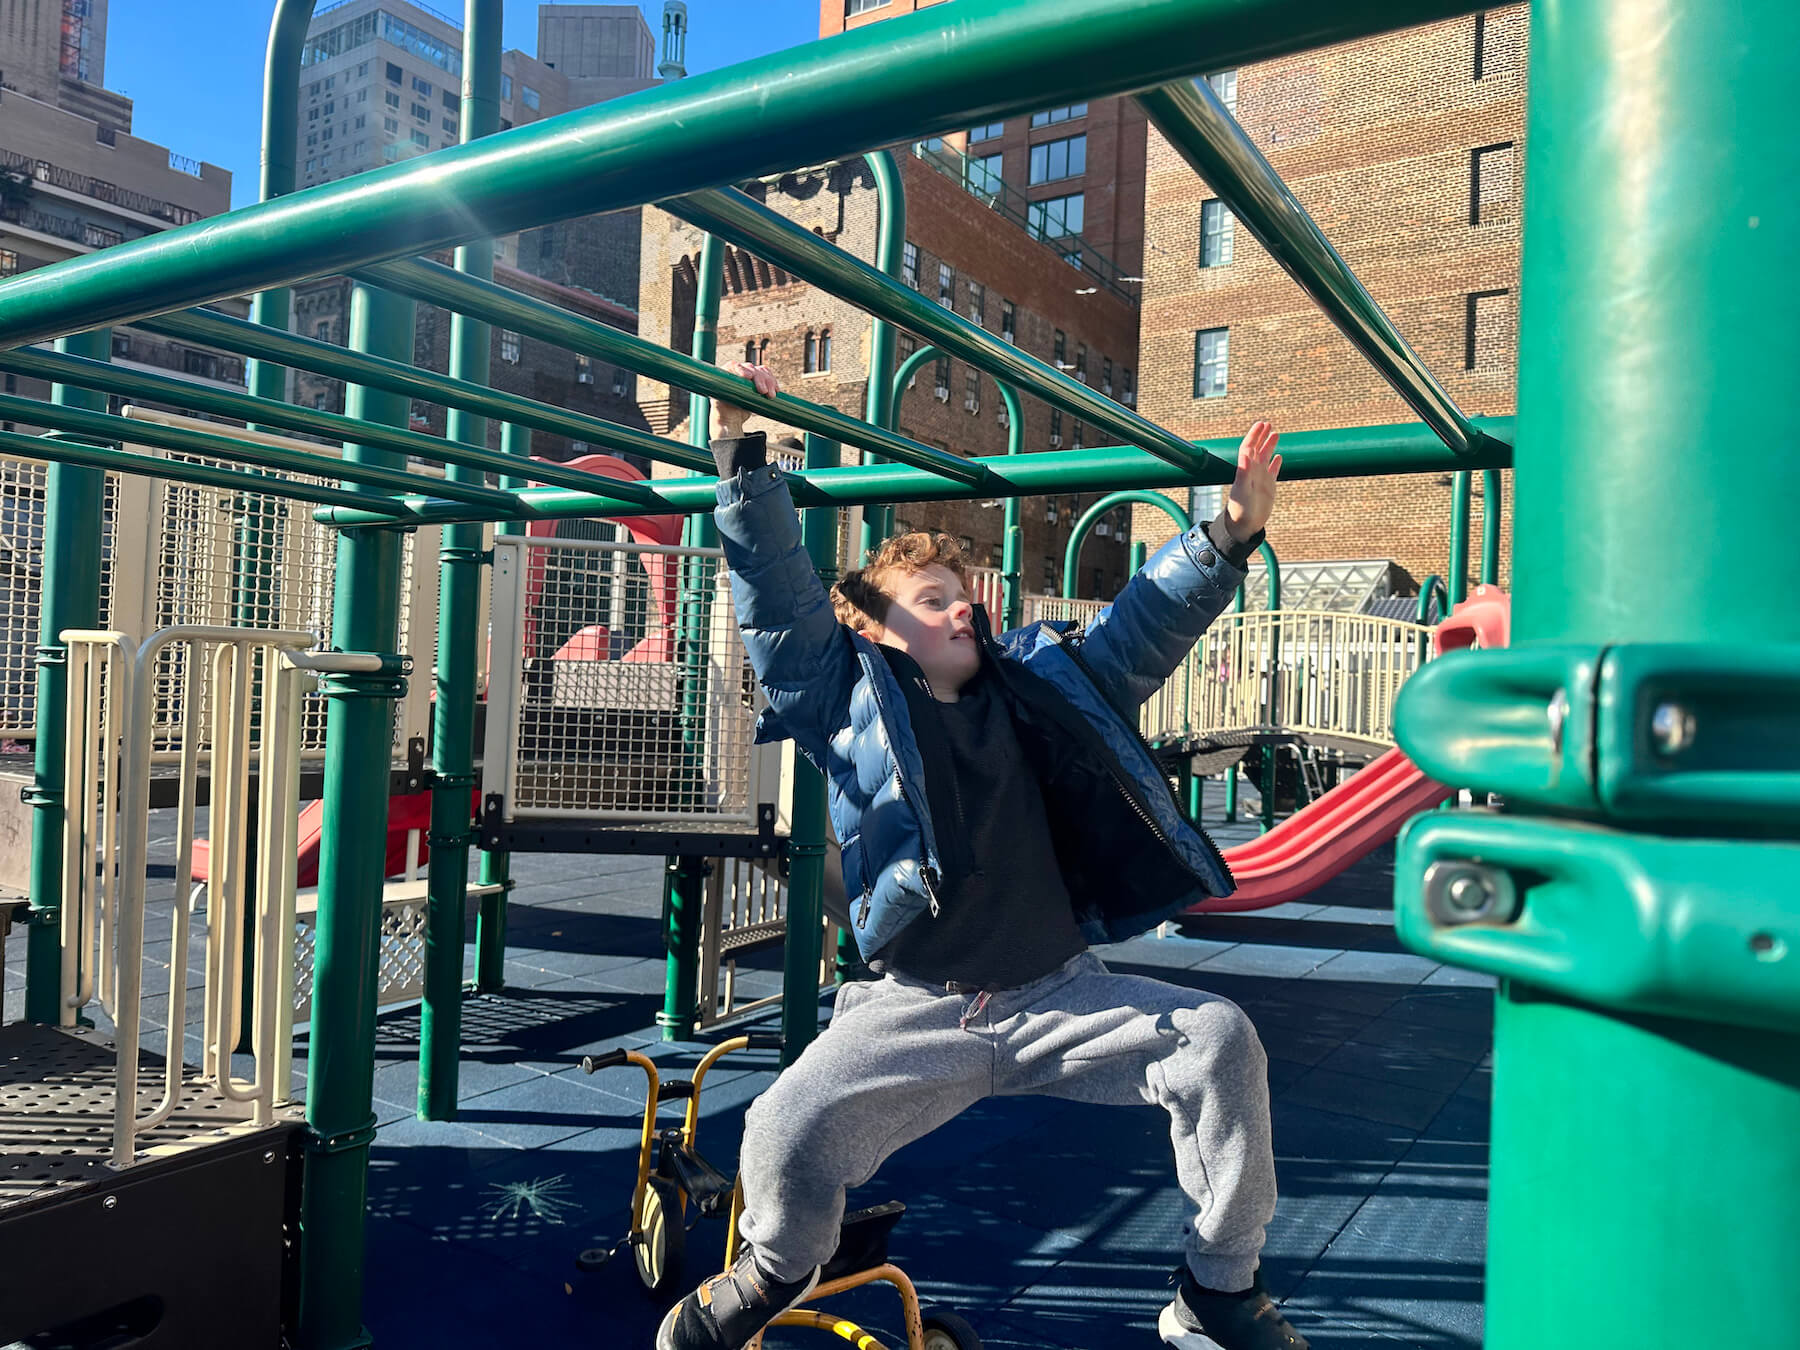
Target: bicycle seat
x,y
863,1240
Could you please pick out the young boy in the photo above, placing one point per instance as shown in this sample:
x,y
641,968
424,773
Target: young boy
x,y
997,812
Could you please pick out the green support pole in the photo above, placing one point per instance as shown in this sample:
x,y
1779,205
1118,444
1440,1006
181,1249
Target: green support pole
x,y
684,886
359,736
459,637
1646,1087
806,843
882,399
496,866
70,598
1491,502
1460,495
1079,533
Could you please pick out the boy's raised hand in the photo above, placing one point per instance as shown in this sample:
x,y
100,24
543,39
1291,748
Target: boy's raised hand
x,y
1252,497
727,418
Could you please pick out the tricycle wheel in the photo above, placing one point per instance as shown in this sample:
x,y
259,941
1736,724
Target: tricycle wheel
x,y
661,1238
947,1331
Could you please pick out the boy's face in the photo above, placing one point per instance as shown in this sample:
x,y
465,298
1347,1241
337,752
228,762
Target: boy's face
x,y
930,619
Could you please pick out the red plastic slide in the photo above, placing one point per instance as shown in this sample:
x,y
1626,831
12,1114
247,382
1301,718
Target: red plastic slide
x,y
406,813
1323,838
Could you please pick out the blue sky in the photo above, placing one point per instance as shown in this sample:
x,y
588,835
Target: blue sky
x,y
156,49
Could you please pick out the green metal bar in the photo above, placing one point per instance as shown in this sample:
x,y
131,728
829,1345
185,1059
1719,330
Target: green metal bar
x,y
1192,119
1491,502
750,224
496,866
1078,535
359,732
221,330
706,352
106,427
74,524
1654,1229
684,885
806,839
57,451
1342,453
1460,494
440,286
917,75
1432,583
882,399
459,635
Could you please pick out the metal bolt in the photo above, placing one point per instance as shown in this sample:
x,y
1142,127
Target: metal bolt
x,y
1671,728
111,1202
1467,892
1559,717
269,1156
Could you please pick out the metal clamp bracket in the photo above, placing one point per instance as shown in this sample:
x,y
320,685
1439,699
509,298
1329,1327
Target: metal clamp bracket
x,y
1636,732
1696,928
479,556
317,1141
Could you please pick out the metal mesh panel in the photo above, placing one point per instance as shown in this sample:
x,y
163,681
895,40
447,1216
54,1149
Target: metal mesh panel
x,y
22,492
400,977
634,697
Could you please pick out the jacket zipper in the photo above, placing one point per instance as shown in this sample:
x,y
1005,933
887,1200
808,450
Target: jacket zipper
x,y
926,871
1074,651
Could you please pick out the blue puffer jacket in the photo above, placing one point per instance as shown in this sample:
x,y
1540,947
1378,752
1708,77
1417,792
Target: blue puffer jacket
x,y
1129,858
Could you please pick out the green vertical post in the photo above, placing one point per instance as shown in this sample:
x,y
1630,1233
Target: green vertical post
x,y
496,866
1273,567
881,401
806,843
1460,494
74,524
459,614
1012,548
684,895
1491,503
1231,772
353,846
1644,1166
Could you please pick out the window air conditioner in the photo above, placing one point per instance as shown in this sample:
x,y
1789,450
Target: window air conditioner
x,y
943,393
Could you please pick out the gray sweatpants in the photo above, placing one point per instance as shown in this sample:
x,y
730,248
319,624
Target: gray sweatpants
x,y
897,1062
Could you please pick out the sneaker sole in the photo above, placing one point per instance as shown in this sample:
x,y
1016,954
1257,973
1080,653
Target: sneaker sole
x,y
1171,1328
665,1332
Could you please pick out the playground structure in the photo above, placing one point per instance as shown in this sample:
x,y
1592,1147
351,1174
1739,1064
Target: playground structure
x,y
1636,894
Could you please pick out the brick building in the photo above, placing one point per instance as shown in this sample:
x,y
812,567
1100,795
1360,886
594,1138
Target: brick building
x,y
1407,150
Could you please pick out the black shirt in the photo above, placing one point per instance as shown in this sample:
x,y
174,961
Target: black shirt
x,y
1005,917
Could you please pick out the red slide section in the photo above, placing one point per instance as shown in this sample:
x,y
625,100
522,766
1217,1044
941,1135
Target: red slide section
x,y
1316,843
1368,808
406,813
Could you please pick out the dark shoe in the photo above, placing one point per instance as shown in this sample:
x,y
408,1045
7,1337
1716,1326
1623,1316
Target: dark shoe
x,y
1200,1319
726,1311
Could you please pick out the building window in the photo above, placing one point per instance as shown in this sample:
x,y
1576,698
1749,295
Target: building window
x,y
451,101
9,262
1009,322
750,352
312,141
1216,231
1480,44
312,114
981,176
1052,116
421,140
621,383
1129,390
909,264
390,126
818,351
1081,362
450,125
584,369
506,88
393,73
1106,376
1059,349
325,160
941,378
421,112
312,164
313,91
322,330
903,349
528,96
978,302
421,86
854,7
762,352
327,136
1056,216
1487,330
972,391
509,346
946,286
1224,84
330,107
1212,354
1051,160
1056,428
1049,562
991,131
1490,183
393,100
825,348
1079,435
360,122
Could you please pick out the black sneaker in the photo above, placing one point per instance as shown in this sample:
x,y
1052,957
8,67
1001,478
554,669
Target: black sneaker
x,y
1198,1319
725,1312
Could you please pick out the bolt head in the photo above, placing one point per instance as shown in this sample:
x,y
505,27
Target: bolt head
x,y
111,1202
1467,892
1672,728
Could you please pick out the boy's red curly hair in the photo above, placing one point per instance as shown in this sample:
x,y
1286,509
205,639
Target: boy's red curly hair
x,y
859,598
